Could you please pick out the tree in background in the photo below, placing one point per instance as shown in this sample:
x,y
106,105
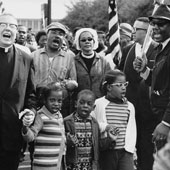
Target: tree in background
x,y
87,14
129,10
94,13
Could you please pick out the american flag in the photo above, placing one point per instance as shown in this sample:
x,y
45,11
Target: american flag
x,y
114,35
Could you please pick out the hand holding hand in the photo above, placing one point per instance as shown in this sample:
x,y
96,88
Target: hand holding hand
x,y
72,139
113,133
109,127
28,117
161,132
71,85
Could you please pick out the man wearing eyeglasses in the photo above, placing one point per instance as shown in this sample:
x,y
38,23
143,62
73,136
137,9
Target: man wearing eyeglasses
x,y
16,93
138,92
159,78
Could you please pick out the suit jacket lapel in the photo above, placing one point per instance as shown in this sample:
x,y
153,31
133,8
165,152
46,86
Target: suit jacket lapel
x,y
152,46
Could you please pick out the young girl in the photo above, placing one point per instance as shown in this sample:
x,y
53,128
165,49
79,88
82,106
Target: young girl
x,y
82,134
47,130
113,110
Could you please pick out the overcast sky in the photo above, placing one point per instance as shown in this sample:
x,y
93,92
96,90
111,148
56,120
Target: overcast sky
x,y
32,8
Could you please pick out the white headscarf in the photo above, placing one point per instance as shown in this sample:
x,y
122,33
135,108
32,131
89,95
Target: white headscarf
x,y
80,31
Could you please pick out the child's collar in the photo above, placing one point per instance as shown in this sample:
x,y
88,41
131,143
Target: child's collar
x,y
49,114
80,118
117,100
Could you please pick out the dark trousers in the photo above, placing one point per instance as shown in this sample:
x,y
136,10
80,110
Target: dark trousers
x,y
116,160
144,145
9,160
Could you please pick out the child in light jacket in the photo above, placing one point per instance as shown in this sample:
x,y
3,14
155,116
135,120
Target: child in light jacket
x,y
114,110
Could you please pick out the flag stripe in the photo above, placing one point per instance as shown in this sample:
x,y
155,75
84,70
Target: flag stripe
x,y
113,31
112,13
114,35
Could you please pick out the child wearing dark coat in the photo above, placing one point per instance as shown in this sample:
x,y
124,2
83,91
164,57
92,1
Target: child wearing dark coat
x,y
82,135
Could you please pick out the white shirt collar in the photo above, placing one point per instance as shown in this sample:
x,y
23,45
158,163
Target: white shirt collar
x,y
6,49
88,56
138,50
165,43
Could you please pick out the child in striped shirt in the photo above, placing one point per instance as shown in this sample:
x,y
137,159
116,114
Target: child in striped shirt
x,y
47,130
113,110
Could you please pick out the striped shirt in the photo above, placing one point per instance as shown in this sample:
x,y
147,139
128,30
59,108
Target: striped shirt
x,y
118,115
61,66
49,140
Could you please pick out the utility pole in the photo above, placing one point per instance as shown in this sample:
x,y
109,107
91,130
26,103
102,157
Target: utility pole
x,y
49,13
46,14
2,9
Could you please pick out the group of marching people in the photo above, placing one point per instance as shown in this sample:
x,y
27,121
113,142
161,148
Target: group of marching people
x,y
79,109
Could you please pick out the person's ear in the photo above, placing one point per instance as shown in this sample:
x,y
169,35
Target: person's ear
x,y
108,87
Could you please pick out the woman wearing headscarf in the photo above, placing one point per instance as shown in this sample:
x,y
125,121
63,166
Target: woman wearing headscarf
x,y
90,66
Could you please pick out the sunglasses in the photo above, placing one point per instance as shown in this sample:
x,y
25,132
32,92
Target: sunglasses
x,y
120,84
88,39
159,24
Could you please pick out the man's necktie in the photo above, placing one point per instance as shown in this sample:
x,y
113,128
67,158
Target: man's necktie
x,y
159,48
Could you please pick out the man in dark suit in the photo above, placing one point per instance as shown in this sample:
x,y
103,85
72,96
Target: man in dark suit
x,y
17,93
159,77
129,54
138,93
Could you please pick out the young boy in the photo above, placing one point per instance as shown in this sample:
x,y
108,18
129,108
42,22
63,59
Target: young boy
x,y
82,135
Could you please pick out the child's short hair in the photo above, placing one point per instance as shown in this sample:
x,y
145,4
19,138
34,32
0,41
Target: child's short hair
x,y
87,92
43,92
109,78
51,87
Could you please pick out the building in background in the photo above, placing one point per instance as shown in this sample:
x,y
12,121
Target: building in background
x,y
35,24
38,24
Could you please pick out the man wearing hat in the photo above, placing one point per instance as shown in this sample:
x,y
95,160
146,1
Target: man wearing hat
x,y
125,34
138,93
52,64
159,78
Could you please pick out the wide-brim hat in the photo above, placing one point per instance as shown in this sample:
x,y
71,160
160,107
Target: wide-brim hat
x,y
56,25
162,12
